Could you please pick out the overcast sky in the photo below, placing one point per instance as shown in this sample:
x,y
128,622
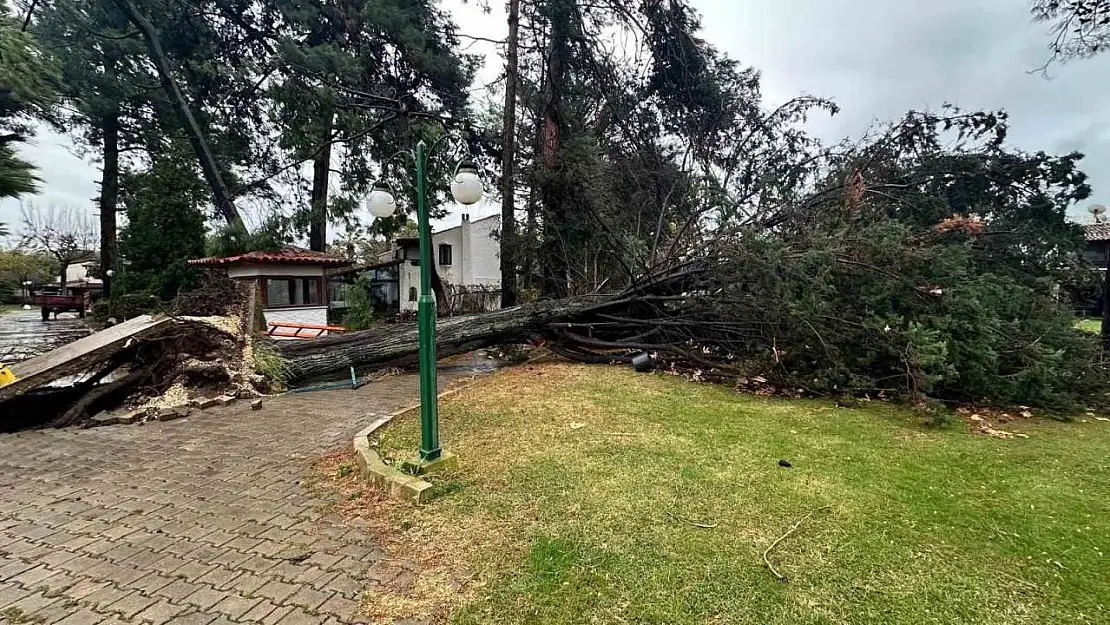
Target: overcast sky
x,y
875,58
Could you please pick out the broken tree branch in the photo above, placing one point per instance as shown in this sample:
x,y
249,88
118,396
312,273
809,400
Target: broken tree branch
x,y
793,528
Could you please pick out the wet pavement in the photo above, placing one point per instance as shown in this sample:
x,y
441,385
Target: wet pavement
x,y
23,333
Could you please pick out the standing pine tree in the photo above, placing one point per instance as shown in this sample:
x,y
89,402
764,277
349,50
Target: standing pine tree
x,y
165,226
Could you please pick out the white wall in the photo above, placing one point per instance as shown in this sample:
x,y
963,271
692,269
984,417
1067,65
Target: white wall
x,y
476,263
79,272
253,271
484,264
316,315
408,276
452,273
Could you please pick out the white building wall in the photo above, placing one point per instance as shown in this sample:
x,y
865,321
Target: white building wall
x,y
475,263
408,277
453,273
315,315
292,271
77,272
485,258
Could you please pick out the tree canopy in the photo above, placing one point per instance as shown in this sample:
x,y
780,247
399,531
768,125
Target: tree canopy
x,y
26,92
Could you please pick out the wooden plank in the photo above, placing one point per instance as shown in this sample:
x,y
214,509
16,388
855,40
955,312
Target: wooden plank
x,y
80,355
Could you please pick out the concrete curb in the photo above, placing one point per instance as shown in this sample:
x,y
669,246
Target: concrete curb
x,y
372,468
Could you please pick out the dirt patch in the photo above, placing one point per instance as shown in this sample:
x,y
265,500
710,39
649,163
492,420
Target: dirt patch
x,y
425,573
995,422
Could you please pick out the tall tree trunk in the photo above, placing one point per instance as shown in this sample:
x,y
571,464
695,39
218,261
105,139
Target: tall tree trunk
x,y
509,239
553,256
109,197
208,165
321,168
62,270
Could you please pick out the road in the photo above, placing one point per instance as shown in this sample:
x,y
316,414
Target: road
x,y
24,334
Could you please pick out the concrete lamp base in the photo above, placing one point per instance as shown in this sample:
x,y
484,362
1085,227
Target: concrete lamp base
x,y
444,462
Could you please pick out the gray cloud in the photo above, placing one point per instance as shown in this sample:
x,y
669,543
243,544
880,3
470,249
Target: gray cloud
x,y
880,58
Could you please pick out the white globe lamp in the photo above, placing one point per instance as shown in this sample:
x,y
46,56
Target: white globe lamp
x,y
466,186
381,201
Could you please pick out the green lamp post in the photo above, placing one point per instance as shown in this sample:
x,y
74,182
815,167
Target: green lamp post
x,y
466,187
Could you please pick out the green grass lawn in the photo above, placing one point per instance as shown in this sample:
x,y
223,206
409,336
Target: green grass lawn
x,y
582,492
1094,326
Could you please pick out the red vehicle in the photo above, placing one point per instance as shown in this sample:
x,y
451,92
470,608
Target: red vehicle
x,y
77,301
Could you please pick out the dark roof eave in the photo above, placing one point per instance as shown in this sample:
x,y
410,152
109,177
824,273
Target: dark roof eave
x,y
360,268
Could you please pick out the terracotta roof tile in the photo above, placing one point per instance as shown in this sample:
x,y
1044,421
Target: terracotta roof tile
x,y
288,255
1097,232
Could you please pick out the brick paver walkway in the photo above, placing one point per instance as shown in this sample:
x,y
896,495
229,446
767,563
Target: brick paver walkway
x,y
203,520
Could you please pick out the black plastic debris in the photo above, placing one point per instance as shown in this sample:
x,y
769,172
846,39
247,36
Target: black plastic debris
x,y
642,362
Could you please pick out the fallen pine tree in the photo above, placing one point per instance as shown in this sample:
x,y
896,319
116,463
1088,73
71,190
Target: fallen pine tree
x,y
914,269
879,309
551,322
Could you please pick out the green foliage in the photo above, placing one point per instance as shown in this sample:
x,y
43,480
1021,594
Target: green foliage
x,y
940,285
360,310
128,305
26,92
17,176
17,267
269,363
165,228
275,233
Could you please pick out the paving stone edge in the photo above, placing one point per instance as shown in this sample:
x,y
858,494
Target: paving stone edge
x,y
372,468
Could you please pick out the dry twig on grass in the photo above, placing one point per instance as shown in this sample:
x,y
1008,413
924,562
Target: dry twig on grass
x,y
793,528
675,517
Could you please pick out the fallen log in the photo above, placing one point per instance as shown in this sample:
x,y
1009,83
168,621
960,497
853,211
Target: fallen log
x,y
455,335
577,327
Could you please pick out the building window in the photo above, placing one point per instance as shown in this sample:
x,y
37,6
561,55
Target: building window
x,y
444,254
289,292
412,294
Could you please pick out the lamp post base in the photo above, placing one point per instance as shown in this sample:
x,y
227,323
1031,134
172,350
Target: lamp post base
x,y
418,466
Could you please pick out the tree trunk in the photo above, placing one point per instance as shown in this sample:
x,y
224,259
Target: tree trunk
x,y
553,257
576,326
109,197
455,335
208,164
509,251
321,170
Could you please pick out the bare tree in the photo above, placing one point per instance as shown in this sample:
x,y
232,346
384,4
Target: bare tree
x,y
66,233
